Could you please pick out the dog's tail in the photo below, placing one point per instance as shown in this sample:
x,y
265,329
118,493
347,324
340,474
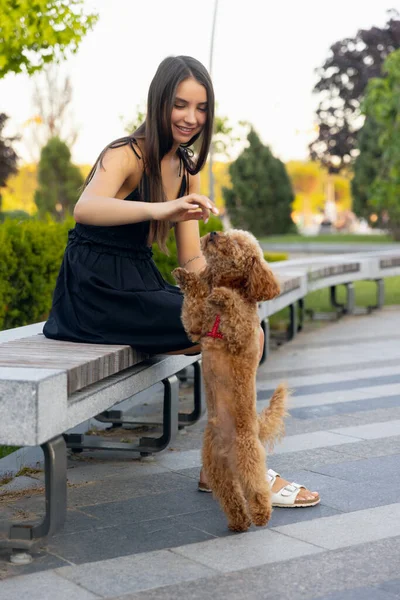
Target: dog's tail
x,y
270,420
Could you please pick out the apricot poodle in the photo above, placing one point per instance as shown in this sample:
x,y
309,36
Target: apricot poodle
x,y
220,311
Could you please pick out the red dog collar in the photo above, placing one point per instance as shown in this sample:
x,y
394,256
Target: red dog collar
x,y
214,331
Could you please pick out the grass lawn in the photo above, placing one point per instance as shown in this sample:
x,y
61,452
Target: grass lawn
x,y
338,238
365,296
4,450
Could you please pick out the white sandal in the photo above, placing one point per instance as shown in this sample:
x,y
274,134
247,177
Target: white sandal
x,y
286,497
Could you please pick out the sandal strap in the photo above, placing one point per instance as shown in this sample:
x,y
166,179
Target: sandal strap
x,y
290,489
272,475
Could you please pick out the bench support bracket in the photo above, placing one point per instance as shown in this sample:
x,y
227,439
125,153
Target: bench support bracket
x,y
26,537
147,445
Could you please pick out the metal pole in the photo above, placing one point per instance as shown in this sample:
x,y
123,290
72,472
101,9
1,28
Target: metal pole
x,y
210,163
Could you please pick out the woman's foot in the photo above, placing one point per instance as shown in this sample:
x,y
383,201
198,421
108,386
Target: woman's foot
x,y
303,497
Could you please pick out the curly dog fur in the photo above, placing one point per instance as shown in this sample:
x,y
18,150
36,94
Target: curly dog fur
x,y
220,310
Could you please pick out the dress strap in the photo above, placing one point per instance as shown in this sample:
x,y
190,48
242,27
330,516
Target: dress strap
x,y
133,143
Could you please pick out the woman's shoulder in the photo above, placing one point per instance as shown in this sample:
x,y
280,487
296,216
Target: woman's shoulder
x,y
125,153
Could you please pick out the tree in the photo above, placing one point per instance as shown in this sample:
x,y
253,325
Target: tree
x,y
382,104
8,157
366,166
342,81
52,100
36,32
58,180
261,195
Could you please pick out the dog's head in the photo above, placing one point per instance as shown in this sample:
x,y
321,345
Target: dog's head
x,y
235,260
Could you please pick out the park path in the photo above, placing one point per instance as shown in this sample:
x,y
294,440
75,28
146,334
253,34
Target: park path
x,y
140,530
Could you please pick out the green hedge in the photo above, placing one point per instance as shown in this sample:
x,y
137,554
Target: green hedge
x,y
31,252
30,256
275,256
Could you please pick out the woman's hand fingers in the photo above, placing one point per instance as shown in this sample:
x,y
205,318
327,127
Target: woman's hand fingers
x,y
206,204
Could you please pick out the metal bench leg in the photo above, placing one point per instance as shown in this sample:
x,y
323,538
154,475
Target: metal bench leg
x,y
266,329
27,536
294,322
198,399
147,445
349,307
301,314
380,294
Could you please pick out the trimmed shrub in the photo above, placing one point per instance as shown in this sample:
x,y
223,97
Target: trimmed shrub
x,y
30,257
275,256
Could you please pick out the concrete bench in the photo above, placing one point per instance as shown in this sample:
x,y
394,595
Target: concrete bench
x,y
48,387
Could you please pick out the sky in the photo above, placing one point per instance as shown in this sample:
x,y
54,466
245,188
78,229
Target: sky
x,y
264,60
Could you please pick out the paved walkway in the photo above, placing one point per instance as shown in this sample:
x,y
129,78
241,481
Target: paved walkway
x,y
140,530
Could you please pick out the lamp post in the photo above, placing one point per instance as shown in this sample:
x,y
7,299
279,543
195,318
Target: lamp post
x,y
210,163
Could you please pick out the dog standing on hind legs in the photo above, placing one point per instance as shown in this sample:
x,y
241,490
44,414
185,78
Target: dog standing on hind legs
x,y
220,309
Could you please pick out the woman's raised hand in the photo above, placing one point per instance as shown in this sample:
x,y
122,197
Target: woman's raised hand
x,y
192,207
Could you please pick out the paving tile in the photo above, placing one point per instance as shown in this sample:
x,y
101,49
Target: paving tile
x,y
392,586
268,380
364,593
135,573
246,550
340,408
372,448
122,540
371,431
348,529
378,469
43,586
310,576
345,420
315,439
157,506
42,561
336,386
125,488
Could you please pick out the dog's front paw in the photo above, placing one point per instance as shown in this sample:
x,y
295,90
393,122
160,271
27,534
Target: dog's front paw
x,y
186,279
260,509
239,525
220,296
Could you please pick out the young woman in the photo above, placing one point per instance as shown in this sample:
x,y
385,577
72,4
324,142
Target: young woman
x,y
109,290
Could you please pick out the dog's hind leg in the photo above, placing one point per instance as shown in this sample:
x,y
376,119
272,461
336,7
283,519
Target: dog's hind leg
x,y
252,474
225,487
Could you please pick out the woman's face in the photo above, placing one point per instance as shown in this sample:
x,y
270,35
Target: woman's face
x,y
189,113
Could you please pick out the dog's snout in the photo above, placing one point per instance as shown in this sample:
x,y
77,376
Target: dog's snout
x,y
213,234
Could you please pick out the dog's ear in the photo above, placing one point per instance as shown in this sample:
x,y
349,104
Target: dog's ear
x,y
261,283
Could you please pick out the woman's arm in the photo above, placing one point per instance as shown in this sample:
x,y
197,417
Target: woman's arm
x,y
187,237
98,204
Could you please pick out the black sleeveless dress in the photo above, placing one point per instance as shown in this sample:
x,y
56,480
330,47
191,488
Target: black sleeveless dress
x,y
109,290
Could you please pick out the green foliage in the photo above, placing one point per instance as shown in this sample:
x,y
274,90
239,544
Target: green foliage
x,y
8,158
275,256
261,196
342,79
382,104
58,180
366,167
21,215
167,263
36,32
30,257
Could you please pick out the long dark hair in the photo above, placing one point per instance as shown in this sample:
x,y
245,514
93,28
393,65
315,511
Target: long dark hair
x,y
157,133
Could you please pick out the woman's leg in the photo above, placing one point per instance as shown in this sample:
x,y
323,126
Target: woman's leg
x,y
279,482
192,350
